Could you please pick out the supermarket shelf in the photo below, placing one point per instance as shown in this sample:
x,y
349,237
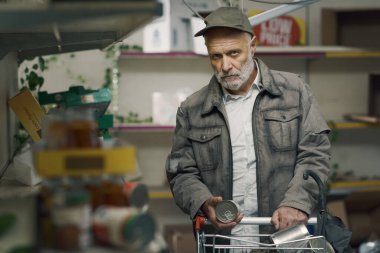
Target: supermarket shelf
x,y
336,188
13,189
47,27
305,52
352,125
160,193
169,128
368,184
168,55
143,128
345,188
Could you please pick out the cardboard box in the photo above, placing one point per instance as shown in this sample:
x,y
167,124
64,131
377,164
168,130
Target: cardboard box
x,y
29,112
338,208
180,238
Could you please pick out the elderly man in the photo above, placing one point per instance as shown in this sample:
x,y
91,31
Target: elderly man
x,y
248,136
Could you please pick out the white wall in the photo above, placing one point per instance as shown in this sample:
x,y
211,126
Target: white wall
x,y
63,72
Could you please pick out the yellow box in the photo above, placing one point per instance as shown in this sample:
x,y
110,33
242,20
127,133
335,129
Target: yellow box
x,y
29,112
86,162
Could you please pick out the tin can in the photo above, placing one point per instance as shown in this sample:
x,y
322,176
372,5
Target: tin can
x,y
123,227
288,238
227,211
71,218
137,194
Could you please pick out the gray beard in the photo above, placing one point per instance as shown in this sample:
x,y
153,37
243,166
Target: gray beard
x,y
244,75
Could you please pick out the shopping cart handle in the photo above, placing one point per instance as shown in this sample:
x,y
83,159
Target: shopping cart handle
x,y
201,220
267,220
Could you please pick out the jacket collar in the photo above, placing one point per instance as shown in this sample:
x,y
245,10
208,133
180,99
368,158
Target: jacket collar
x,y
214,97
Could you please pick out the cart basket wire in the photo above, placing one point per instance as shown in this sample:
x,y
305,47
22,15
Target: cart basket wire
x,y
209,242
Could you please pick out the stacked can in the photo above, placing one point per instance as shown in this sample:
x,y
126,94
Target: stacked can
x,y
124,227
71,218
137,194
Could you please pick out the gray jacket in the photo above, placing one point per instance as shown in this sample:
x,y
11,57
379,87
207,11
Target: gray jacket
x,y
289,134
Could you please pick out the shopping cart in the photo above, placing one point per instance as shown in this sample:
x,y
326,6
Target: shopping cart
x,y
208,242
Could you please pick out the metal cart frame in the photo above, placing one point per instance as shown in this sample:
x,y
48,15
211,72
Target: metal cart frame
x,y
251,245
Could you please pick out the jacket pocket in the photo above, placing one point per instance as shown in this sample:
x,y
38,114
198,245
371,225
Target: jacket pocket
x,y
206,144
282,128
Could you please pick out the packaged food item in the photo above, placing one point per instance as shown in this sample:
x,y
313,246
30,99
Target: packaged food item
x,y
293,237
227,211
123,227
118,193
82,129
71,219
70,128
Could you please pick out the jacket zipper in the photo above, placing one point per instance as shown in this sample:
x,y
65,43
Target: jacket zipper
x,y
254,130
230,195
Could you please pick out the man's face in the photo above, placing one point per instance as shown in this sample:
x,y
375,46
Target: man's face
x,y
231,55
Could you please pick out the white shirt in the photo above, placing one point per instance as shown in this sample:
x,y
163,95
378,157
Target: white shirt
x,y
239,112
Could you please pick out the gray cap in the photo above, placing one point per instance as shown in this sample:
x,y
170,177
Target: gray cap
x,y
229,17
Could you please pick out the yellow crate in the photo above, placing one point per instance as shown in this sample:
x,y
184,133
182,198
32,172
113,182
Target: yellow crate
x,y
85,162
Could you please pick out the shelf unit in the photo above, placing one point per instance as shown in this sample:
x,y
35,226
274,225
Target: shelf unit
x,y
346,187
131,128
305,52
34,28
48,27
143,128
341,188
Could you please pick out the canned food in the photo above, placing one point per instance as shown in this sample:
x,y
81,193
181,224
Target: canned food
x,y
295,232
137,194
123,227
292,237
71,217
227,211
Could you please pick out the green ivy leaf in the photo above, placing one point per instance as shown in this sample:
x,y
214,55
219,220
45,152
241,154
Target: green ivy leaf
x,y
26,71
33,80
41,63
35,66
40,81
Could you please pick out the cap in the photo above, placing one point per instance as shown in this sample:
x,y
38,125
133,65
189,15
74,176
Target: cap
x,y
229,17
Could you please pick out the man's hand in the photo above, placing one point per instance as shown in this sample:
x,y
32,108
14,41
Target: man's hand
x,y
208,208
286,216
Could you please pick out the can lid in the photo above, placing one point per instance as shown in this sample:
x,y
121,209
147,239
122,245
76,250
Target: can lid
x,y
140,196
226,211
139,230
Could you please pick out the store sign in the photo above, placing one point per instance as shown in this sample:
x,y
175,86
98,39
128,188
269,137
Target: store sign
x,y
281,31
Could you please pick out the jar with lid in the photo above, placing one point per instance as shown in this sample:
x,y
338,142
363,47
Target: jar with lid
x,y
82,128
70,128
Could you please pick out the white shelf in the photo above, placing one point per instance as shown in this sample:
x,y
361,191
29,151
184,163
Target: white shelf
x,y
47,27
143,128
306,52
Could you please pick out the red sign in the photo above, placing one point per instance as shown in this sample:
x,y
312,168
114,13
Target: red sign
x,y
281,31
